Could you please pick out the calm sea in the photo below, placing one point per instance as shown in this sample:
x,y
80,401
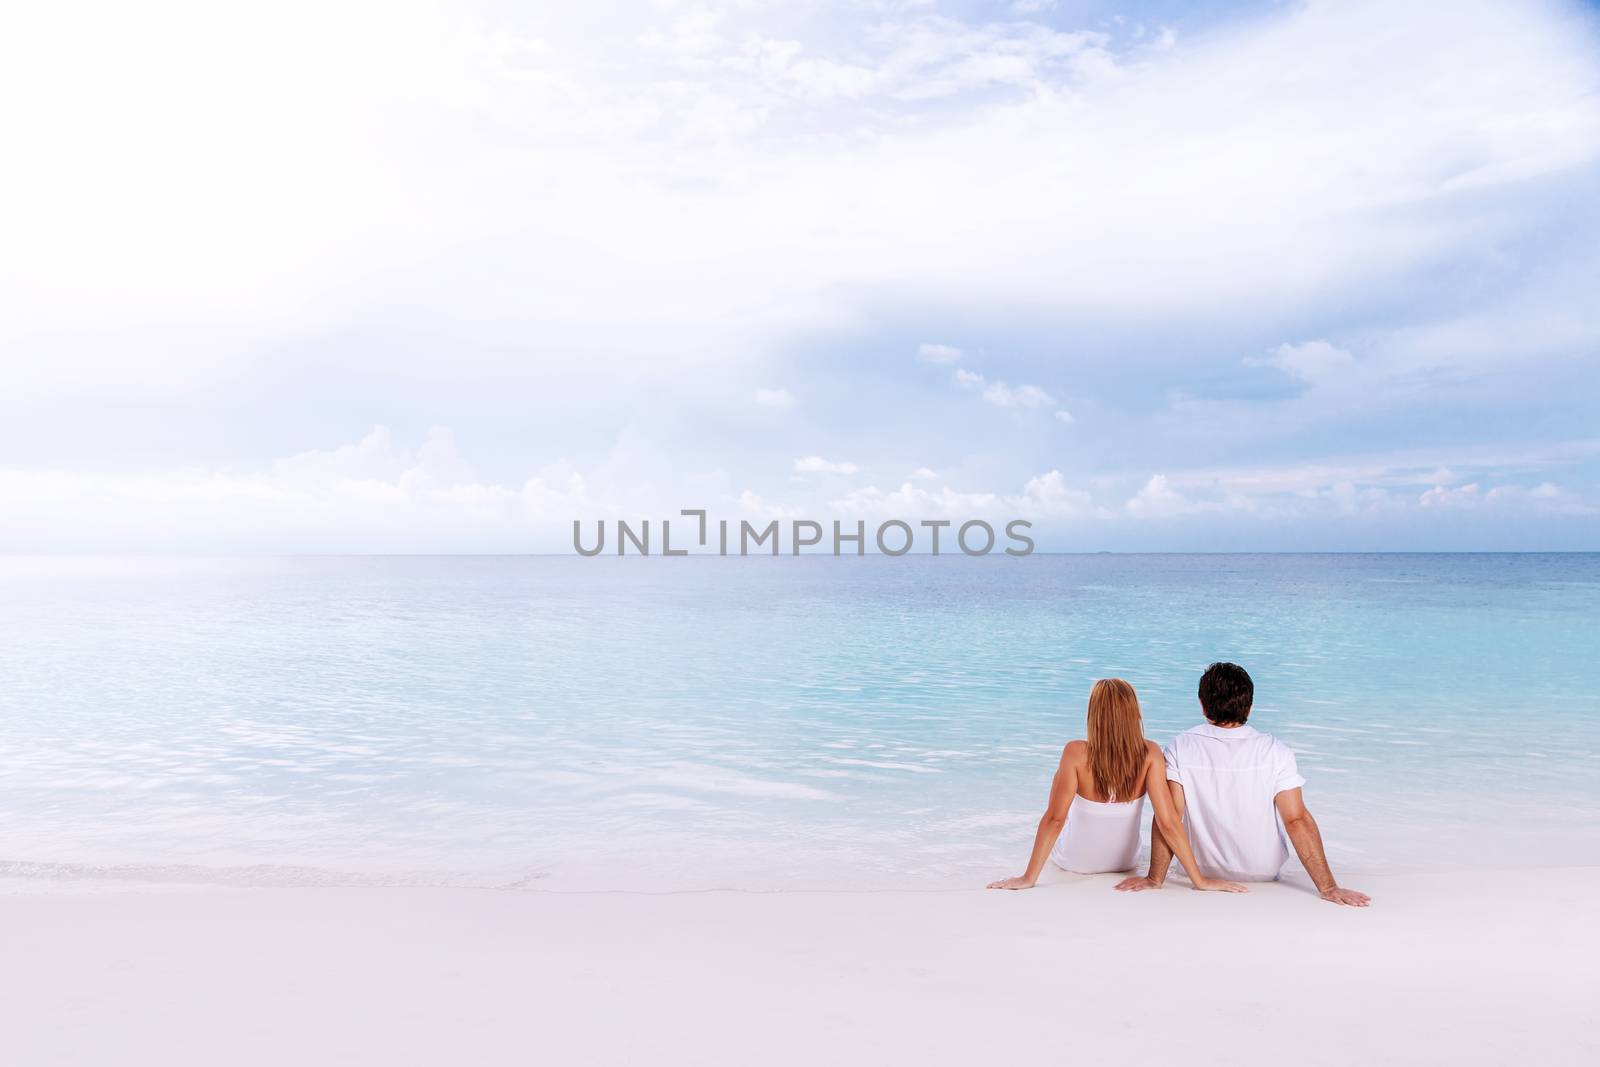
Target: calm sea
x,y
568,723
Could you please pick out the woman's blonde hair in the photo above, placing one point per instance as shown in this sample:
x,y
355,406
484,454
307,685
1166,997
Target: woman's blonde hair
x,y
1116,739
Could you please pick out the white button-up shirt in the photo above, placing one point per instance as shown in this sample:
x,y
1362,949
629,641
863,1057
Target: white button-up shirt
x,y
1230,779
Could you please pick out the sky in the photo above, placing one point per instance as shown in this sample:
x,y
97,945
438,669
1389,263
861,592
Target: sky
x,y
409,276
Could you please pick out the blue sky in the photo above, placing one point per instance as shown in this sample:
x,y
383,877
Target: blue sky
x,y
446,276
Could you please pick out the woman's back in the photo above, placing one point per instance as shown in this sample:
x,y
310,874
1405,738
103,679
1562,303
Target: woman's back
x,y
1100,835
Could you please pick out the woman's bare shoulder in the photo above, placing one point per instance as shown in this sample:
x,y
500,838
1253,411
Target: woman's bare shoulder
x,y
1075,752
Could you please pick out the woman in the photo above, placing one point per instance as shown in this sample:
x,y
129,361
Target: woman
x,y
1099,792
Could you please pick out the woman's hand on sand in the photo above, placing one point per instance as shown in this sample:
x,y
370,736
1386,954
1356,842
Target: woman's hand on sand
x,y
1019,882
1137,883
1217,885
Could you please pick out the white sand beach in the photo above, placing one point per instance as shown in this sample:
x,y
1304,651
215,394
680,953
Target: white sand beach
x,y
1485,967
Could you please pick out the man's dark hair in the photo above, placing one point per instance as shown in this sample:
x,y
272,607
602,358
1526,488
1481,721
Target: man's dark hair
x,y
1226,693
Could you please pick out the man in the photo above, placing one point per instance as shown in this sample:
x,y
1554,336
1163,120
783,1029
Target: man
x,y
1230,785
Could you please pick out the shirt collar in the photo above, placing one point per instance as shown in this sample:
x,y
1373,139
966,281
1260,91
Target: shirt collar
x,y
1234,733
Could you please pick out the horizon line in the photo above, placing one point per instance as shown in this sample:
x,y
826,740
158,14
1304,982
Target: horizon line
x,y
806,555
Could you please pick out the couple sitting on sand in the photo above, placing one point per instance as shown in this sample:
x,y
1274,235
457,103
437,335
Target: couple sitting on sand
x,y
1218,795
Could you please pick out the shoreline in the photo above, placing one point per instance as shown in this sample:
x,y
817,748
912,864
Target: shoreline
x,y
1483,967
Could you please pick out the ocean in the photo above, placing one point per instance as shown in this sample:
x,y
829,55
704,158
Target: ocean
x,y
764,723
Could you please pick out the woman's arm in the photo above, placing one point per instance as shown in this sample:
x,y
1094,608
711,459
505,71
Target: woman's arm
x,y
1171,829
1062,790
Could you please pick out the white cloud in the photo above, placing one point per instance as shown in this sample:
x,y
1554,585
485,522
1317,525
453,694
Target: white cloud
x,y
1002,395
373,495
1347,498
775,398
752,503
1544,498
935,353
1315,362
1065,416
1049,495
378,494
1157,499
912,502
584,207
670,177
818,465
1556,499
1453,496
1046,496
1402,469
1023,396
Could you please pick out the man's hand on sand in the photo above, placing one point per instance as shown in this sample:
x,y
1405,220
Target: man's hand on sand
x,y
1346,896
1018,882
1137,884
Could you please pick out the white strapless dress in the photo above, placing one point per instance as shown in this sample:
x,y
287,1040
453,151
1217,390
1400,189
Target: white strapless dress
x,y
1099,837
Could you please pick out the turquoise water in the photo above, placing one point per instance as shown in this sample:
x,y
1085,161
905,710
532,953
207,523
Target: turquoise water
x,y
653,723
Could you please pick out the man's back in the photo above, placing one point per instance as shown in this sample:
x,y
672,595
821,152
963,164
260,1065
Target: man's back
x,y
1231,777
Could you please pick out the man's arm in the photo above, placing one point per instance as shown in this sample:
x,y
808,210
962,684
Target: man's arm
x,y
1160,851
1307,840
